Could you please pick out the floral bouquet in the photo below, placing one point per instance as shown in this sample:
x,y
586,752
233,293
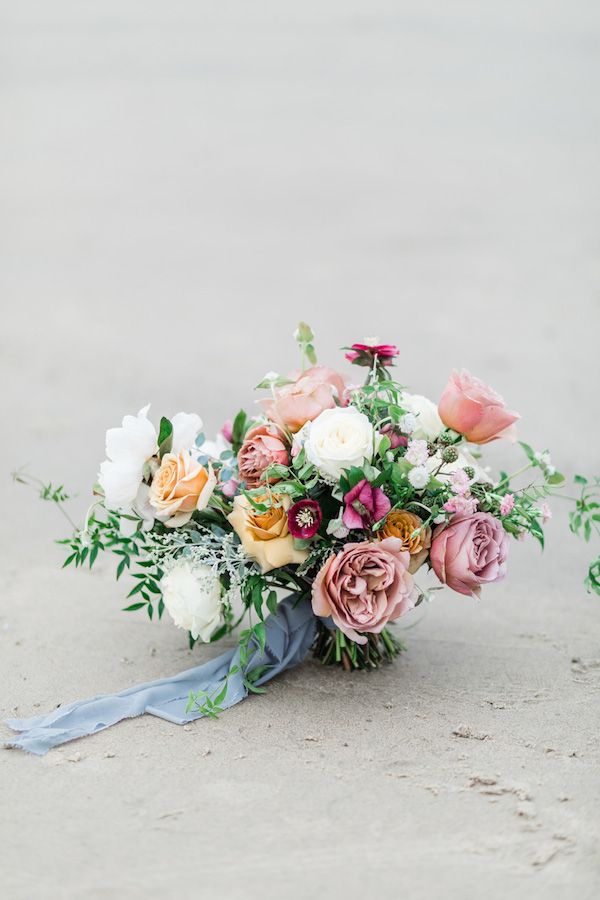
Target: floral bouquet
x,y
342,496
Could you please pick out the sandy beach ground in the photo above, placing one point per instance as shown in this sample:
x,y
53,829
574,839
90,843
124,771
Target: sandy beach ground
x,y
180,184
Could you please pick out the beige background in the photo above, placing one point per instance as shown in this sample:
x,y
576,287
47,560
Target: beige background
x,y
179,184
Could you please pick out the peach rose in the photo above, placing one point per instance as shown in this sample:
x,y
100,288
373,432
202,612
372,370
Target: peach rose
x,y
180,486
265,535
475,410
402,524
313,391
263,445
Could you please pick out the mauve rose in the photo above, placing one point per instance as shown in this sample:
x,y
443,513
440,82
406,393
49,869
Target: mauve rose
x,y
469,551
365,586
311,392
263,446
474,409
365,505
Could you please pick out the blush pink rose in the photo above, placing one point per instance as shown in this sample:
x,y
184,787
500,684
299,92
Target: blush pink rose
x,y
474,409
365,586
263,446
312,392
470,551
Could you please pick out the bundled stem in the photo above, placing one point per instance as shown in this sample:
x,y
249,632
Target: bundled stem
x,y
332,647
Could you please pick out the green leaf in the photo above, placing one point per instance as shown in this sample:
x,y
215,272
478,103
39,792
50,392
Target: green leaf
x,y
529,452
384,446
253,688
221,695
272,602
133,606
165,437
153,587
239,428
579,479
69,560
556,478
261,635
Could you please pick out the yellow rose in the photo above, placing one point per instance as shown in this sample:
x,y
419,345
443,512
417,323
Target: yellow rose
x,y
180,486
401,524
264,535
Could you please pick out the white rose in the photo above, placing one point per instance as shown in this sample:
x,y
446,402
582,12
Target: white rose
x,y
429,425
338,439
129,448
192,596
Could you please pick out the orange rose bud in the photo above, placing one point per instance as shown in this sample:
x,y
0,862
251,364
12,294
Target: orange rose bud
x,y
400,523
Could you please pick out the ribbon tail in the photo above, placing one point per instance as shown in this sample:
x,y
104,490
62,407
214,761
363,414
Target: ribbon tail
x,y
289,634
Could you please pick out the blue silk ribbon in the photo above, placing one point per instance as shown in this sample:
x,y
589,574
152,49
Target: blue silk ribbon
x,y
289,634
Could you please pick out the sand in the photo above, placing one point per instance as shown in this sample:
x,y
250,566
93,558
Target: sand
x,y
180,184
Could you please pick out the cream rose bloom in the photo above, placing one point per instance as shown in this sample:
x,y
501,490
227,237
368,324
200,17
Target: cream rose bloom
x,y
180,486
192,596
429,425
338,439
128,450
264,535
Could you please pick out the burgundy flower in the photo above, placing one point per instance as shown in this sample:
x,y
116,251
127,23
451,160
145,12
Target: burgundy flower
x,y
396,439
365,354
365,505
304,518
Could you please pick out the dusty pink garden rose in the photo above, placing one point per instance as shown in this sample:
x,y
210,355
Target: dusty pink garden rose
x,y
365,586
312,392
469,551
474,409
263,446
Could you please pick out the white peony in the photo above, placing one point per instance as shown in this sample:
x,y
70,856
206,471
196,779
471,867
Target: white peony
x,y
192,596
429,426
338,439
129,448
186,428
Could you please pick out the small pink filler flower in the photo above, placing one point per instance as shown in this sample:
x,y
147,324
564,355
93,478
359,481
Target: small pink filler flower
x,y
507,504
